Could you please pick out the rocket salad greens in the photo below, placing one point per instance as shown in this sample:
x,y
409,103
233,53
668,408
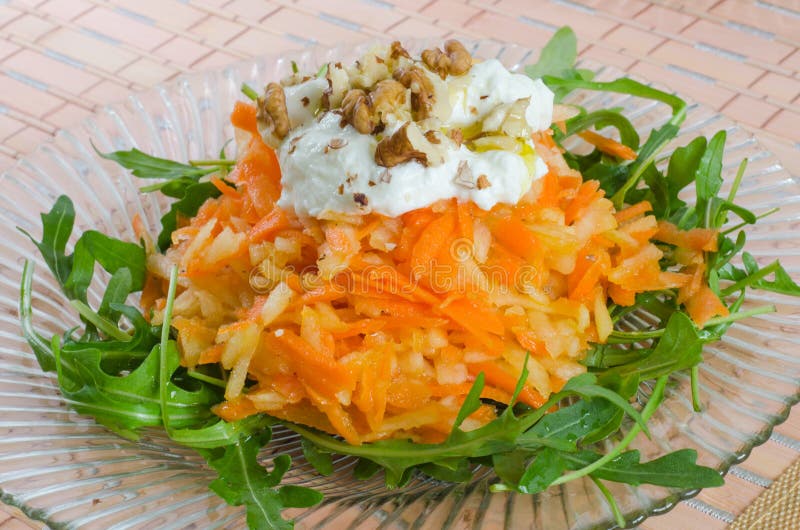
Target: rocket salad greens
x,y
125,372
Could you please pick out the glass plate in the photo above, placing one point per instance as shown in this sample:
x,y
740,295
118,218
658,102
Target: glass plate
x,y
63,469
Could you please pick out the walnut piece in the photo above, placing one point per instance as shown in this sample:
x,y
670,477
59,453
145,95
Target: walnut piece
x,y
387,96
396,51
409,143
483,182
422,91
272,116
356,111
454,60
460,59
399,148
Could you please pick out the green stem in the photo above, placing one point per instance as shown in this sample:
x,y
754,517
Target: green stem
x,y
738,180
695,379
744,223
103,324
740,315
249,91
626,337
218,162
649,409
163,376
206,378
612,502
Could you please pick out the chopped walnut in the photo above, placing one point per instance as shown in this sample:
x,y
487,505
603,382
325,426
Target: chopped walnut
x,y
396,51
454,60
422,92
398,148
337,143
387,96
460,59
386,176
483,182
356,111
360,199
436,61
272,115
305,101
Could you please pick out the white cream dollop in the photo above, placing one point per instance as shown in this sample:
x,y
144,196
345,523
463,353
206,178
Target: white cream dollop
x,y
489,84
327,168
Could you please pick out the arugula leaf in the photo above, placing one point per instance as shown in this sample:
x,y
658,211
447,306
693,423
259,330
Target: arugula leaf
x,y
74,272
56,228
679,348
673,470
319,459
681,171
545,468
623,85
243,480
657,140
754,277
147,166
119,287
557,57
709,176
566,427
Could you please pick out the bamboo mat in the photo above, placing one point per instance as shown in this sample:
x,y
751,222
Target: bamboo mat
x,y
60,59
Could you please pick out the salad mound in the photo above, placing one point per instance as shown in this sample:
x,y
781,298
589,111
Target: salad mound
x,y
404,265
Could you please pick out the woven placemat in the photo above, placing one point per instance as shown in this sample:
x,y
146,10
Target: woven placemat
x,y
776,508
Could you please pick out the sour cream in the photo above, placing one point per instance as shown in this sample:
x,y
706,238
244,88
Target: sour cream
x,y
327,168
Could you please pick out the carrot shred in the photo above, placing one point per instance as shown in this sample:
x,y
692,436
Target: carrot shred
x,y
633,211
268,226
497,376
608,145
244,117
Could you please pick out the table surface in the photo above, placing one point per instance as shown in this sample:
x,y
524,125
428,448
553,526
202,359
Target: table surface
x,y
61,59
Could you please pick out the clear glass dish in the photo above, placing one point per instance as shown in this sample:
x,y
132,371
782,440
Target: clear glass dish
x,y
68,472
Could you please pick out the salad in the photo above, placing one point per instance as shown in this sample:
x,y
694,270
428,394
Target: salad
x,y
404,265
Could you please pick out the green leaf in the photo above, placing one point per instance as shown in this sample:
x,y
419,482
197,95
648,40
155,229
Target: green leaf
x,y
119,287
679,348
709,175
558,56
682,171
568,426
674,470
657,140
56,228
471,403
585,386
147,166
292,496
320,460
755,277
511,465
545,468
112,254
244,481
193,198
622,85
